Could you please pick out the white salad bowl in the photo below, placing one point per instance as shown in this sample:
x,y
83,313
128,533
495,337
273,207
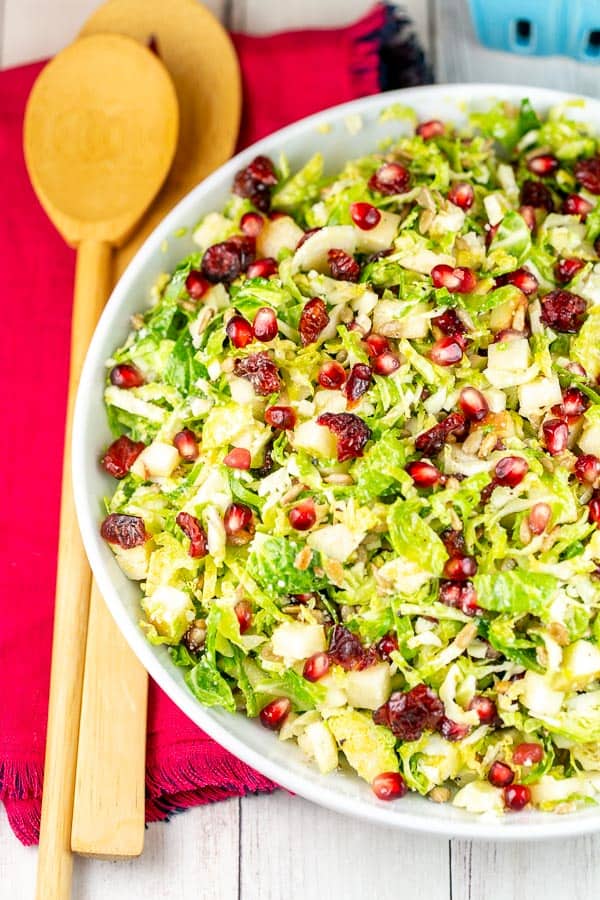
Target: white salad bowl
x,y
340,133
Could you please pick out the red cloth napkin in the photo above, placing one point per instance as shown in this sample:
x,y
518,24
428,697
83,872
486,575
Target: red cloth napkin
x,y
285,76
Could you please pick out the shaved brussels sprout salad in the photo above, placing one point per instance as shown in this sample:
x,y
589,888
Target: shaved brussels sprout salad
x,y
358,460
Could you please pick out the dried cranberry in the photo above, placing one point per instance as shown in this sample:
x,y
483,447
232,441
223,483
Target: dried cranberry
x,y
306,235
121,455
254,182
228,259
343,266
316,666
432,128
536,194
576,205
522,279
239,524
280,417
517,796
432,441
273,715
126,531
358,383
450,323
351,432
243,613
364,215
390,178
262,170
462,194
454,542
453,731
563,311
126,376
587,172
410,713
313,320
566,269
387,645
500,775
389,786
196,285
485,709
543,165
261,372
192,529
528,754
460,595
346,649
331,375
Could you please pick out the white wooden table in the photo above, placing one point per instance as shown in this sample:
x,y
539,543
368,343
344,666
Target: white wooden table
x,y
274,847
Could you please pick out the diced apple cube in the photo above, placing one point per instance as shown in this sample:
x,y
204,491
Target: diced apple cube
x,y
316,439
335,541
589,441
313,252
580,665
388,319
379,238
298,640
134,561
538,395
277,235
318,743
539,695
369,688
509,355
158,460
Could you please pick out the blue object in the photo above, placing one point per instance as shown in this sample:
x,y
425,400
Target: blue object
x,y
540,27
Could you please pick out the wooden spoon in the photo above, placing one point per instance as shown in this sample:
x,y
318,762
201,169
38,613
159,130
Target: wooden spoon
x,y
99,137
108,815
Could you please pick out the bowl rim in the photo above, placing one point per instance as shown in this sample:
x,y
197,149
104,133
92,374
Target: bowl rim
x,y
323,794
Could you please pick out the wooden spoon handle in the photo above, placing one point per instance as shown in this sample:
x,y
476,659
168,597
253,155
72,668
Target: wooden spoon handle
x,y
108,815
73,581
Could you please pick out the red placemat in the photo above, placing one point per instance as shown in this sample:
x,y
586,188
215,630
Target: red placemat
x,y
315,69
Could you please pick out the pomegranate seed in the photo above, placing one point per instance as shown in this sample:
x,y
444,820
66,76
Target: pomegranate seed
x,y
587,468
126,376
239,331
264,324
359,381
576,205
186,443
574,403
538,519
500,775
508,334
376,344
468,279
576,369
587,172
458,280
446,352
280,417
556,436
386,363
239,523
262,268
528,214
473,404
306,235
120,456
243,612
316,666
594,510
390,178
460,595
566,269
462,194
522,279
364,215
196,285
424,474
252,223
490,233
193,530
510,471
517,796
389,786
238,458
485,709
432,128
528,754
453,731
536,195
460,568
543,165
332,375
273,715
304,515
387,645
